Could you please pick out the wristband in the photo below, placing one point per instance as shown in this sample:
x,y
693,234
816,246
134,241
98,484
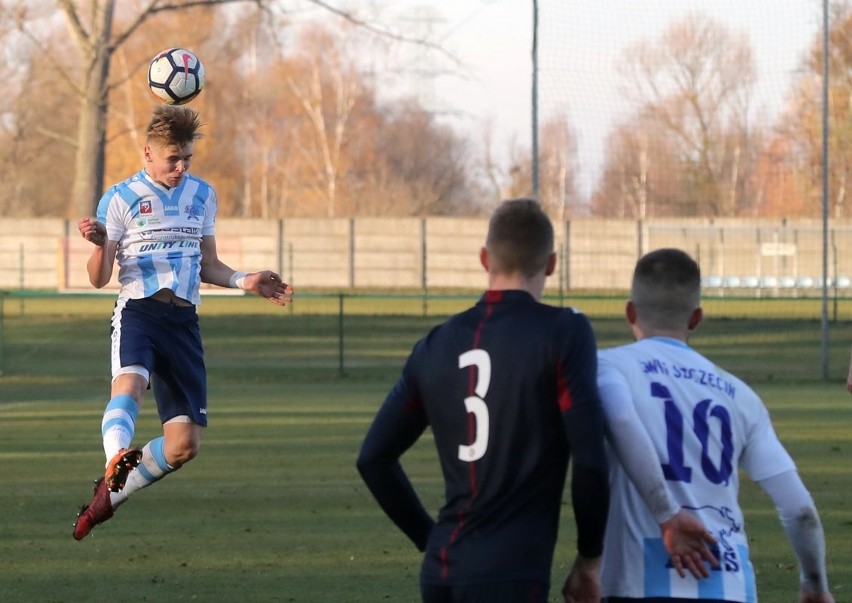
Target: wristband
x,y
237,280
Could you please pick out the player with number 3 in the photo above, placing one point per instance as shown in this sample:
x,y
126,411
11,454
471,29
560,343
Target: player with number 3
x,y
508,389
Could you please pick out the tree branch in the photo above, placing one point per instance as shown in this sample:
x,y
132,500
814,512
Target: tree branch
x,y
384,32
70,140
75,25
60,69
156,6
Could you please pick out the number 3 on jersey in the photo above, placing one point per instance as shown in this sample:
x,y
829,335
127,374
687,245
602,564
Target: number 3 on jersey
x,y
475,405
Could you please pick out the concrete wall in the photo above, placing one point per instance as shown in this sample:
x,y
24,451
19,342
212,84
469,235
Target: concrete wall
x,y
770,256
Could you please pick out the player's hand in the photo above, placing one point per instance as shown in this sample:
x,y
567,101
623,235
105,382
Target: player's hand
x,y
583,584
806,595
92,231
686,540
269,285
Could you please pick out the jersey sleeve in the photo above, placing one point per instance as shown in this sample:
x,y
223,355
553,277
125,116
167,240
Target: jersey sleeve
x,y
764,455
630,441
109,213
211,209
802,524
399,422
583,420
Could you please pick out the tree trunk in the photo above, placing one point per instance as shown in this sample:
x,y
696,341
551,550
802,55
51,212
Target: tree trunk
x,y
91,130
90,160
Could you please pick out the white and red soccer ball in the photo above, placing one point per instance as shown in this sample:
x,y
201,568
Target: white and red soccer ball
x,y
176,76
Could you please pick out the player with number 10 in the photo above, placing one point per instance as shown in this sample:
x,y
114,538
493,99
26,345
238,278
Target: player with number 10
x,y
706,425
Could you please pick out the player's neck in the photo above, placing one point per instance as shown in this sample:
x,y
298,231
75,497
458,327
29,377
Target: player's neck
x,y
517,282
647,333
155,181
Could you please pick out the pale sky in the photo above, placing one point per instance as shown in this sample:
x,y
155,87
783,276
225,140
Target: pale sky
x,y
579,44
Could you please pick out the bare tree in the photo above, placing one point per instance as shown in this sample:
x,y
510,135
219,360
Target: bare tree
x,y
558,161
36,125
326,92
425,161
92,30
801,130
261,158
695,82
557,168
640,165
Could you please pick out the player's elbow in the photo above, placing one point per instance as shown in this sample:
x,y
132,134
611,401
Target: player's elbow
x,y
807,517
98,282
365,462
371,464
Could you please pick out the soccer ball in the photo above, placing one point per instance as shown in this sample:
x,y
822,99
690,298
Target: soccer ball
x,y
175,76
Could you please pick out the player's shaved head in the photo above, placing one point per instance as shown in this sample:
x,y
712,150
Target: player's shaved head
x,y
520,238
666,288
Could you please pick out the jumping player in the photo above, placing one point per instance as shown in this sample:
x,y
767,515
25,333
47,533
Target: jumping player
x,y
159,225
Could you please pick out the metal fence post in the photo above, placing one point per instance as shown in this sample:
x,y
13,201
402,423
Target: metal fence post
x,y
424,278
2,337
280,248
340,367
22,278
566,265
351,253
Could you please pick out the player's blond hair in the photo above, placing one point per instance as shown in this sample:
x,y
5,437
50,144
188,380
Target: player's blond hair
x,y
666,288
520,238
173,125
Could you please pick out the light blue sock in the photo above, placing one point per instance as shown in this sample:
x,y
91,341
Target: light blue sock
x,y
118,424
153,467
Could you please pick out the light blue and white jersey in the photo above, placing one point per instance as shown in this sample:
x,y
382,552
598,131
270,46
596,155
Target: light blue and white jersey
x,y
159,234
705,424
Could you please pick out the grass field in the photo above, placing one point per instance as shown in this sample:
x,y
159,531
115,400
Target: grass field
x,y
273,509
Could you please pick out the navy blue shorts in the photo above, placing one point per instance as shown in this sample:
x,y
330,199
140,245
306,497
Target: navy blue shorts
x,y
166,340
521,591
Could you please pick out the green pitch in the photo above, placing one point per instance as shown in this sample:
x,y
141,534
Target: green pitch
x,y
273,509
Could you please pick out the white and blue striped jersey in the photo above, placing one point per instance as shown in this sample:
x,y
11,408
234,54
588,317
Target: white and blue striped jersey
x,y
706,424
159,234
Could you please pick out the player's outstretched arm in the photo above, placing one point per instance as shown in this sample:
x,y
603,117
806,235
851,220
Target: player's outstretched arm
x,y
268,285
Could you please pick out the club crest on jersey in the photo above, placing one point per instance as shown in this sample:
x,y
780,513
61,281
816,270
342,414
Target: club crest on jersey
x,y
146,207
193,211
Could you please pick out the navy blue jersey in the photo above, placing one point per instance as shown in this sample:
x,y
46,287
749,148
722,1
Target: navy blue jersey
x,y
509,390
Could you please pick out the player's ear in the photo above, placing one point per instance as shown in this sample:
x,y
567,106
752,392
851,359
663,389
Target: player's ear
x,y
551,264
630,312
697,317
483,258
148,152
